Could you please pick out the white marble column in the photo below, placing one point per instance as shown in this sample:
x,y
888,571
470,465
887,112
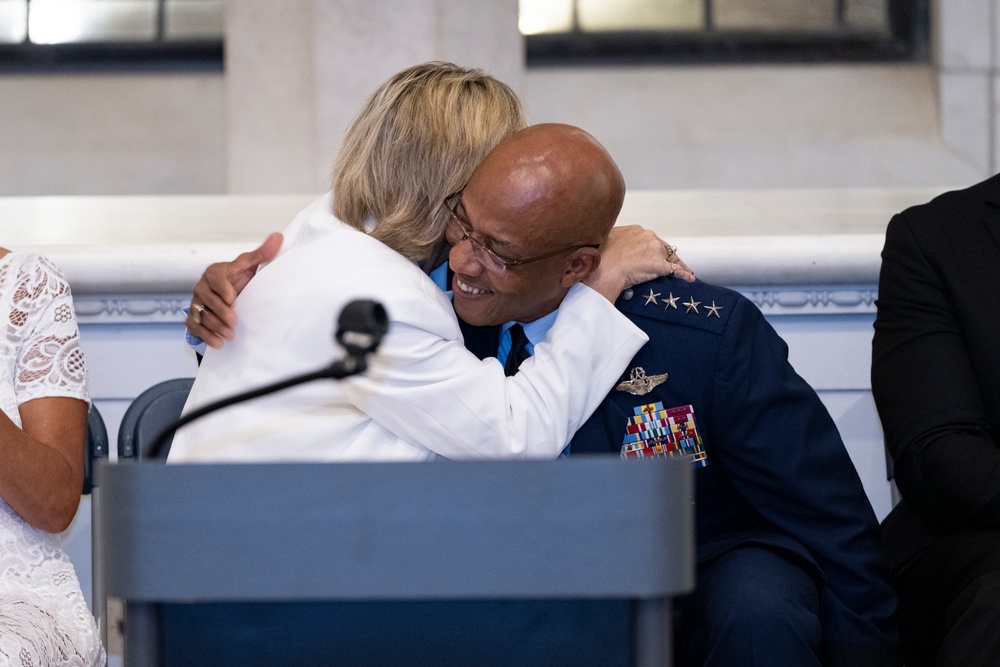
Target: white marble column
x,y
968,59
297,71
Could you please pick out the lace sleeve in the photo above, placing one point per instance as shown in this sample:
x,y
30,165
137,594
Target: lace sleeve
x,y
42,324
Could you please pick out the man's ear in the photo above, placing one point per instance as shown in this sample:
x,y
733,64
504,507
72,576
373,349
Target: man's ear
x,y
579,266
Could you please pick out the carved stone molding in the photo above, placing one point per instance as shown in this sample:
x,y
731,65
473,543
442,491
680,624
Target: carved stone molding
x,y
811,300
144,309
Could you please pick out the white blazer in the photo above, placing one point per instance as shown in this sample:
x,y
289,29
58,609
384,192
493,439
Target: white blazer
x,y
423,395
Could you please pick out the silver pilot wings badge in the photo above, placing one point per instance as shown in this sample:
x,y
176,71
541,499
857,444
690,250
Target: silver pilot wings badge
x,y
640,384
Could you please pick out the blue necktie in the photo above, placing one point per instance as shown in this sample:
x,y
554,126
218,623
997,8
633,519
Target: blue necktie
x,y
518,349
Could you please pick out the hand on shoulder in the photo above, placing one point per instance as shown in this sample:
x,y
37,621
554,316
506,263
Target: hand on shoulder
x,y
633,255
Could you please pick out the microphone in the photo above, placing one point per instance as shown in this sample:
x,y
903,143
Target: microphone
x,y
360,328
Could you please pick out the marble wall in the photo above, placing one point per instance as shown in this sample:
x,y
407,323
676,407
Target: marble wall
x,y
297,71
72,134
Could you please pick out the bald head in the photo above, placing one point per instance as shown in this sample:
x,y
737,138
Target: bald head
x,y
558,176
543,200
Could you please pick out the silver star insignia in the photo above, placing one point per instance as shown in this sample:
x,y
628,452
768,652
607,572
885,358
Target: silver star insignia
x,y
651,297
640,384
713,310
671,301
691,305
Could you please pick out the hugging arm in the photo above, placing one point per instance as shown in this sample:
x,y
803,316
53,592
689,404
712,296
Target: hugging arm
x,y
211,317
630,256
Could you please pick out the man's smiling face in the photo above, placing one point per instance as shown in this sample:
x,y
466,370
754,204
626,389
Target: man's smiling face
x,y
484,296
545,199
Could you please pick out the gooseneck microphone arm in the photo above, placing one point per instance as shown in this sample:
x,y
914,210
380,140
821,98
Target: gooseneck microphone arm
x,y
360,328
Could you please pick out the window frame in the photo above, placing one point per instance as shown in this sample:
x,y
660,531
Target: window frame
x,y
909,41
155,54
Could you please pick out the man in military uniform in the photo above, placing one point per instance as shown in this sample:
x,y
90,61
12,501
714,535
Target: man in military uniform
x,y
789,571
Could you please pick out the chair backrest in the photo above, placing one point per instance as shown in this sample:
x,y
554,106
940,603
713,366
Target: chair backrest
x,y
148,415
96,447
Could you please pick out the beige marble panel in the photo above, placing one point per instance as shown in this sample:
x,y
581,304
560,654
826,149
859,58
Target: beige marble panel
x,y
966,121
194,19
483,34
765,213
867,15
111,134
357,45
767,127
995,165
964,30
360,43
300,70
270,96
995,37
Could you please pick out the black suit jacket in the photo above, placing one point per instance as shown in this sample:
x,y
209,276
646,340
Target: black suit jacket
x,y
936,367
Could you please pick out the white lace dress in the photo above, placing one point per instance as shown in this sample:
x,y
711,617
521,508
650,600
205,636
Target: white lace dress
x,y
44,620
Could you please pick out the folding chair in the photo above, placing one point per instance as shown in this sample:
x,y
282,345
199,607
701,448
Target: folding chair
x,y
95,449
148,415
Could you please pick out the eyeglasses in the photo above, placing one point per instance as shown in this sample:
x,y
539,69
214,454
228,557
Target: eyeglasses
x,y
460,229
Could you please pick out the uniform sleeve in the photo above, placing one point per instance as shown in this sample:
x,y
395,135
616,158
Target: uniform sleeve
x,y
782,452
424,386
946,463
50,362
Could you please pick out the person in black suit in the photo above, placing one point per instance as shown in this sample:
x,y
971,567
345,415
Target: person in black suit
x,y
936,382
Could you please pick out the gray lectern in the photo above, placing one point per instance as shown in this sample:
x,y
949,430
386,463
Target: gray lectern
x,y
589,528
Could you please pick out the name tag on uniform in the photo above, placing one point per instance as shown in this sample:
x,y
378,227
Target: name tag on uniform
x,y
655,432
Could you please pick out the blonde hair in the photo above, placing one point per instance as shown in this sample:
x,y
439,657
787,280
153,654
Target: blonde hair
x,y
418,139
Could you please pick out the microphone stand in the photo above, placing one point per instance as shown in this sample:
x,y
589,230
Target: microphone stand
x,y
360,328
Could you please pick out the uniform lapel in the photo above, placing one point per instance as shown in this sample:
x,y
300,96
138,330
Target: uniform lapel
x,y
481,341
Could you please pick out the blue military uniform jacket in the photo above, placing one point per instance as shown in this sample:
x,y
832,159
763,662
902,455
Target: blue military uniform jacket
x,y
777,472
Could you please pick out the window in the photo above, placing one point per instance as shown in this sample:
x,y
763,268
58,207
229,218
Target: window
x,y
60,34
565,31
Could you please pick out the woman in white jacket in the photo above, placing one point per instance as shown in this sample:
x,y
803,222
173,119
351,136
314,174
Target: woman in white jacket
x,y
418,139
